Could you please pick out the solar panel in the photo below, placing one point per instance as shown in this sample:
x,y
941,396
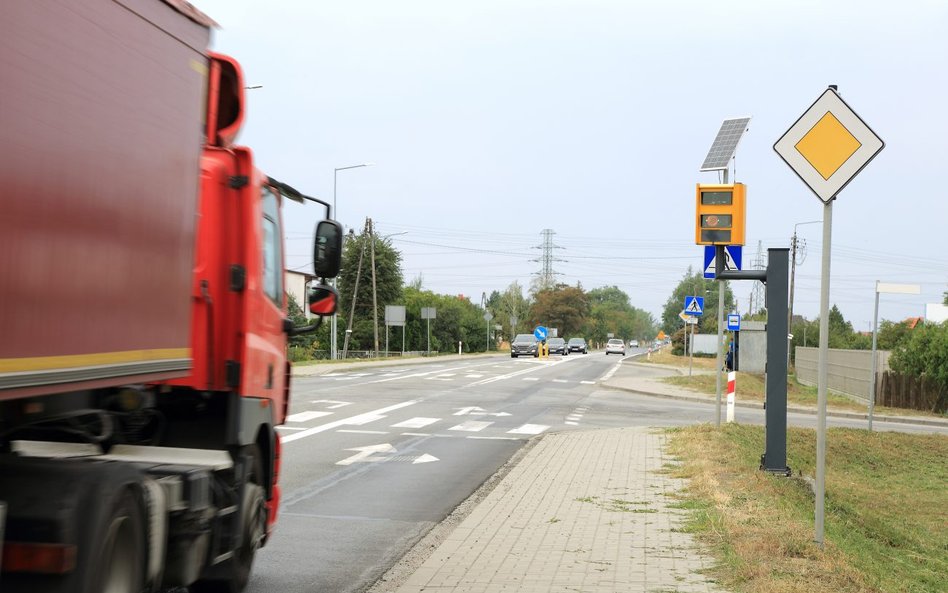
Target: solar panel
x,y
725,145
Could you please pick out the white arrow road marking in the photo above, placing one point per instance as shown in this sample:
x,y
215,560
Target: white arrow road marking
x,y
367,454
352,420
529,429
372,453
416,423
471,426
306,416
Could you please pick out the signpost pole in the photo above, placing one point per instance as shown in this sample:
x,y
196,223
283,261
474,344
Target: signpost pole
x,y
719,255
872,376
823,373
691,348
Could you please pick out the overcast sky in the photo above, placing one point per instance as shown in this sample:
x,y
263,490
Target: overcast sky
x,y
490,121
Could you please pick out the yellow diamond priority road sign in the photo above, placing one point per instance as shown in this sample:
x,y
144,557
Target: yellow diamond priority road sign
x,y
828,145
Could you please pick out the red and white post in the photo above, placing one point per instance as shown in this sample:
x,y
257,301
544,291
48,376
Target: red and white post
x,y
731,382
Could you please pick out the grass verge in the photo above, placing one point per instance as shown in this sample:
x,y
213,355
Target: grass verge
x,y
886,522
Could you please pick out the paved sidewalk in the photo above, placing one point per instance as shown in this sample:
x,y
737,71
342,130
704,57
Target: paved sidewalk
x,y
582,512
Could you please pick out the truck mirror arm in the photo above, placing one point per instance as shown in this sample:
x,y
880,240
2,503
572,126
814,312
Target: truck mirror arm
x,y
295,195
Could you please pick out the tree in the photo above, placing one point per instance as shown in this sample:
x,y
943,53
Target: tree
x,y
388,281
891,334
694,284
563,307
512,303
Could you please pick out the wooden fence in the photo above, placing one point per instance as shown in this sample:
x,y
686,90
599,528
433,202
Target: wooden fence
x,y
905,391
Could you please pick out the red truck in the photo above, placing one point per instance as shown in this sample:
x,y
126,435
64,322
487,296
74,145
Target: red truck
x,y
143,318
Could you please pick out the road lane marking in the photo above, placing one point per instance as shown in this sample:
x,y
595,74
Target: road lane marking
x,y
572,423
588,382
352,420
306,416
471,426
560,381
531,378
475,411
362,431
494,438
291,428
439,371
367,454
335,404
529,429
419,422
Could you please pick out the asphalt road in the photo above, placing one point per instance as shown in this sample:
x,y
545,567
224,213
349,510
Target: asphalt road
x,y
373,458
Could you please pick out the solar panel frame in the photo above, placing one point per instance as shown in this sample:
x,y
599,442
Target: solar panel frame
x,y
725,144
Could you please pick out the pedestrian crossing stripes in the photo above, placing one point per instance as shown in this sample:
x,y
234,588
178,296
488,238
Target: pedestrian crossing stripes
x,y
468,426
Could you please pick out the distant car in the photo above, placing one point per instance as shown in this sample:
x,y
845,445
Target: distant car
x,y
557,346
633,343
577,345
615,346
524,345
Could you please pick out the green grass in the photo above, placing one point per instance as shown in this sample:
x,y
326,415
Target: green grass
x,y
886,521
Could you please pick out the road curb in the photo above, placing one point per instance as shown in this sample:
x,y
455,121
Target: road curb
x,y
852,415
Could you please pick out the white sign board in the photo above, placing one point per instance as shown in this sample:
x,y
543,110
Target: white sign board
x,y
828,145
395,315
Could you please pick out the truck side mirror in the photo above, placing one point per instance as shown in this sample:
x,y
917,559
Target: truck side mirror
x,y
327,249
323,300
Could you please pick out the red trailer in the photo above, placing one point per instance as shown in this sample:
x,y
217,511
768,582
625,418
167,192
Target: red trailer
x,y
143,320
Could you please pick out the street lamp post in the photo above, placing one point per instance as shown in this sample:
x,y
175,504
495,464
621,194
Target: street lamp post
x,y
335,318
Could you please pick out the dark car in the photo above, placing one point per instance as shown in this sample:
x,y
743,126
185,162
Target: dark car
x,y
557,346
524,345
577,345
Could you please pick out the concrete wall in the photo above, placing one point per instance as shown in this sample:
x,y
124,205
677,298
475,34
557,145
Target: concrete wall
x,y
848,370
704,343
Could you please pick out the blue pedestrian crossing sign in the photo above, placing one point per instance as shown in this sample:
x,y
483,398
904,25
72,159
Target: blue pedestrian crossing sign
x,y
733,254
733,322
694,305
540,333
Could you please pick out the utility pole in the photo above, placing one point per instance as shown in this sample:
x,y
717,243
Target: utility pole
x,y
375,305
355,293
794,242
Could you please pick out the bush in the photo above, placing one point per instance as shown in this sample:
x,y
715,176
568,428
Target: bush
x,y
299,354
924,354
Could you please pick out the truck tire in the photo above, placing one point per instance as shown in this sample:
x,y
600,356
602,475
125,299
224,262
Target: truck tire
x,y
236,571
120,563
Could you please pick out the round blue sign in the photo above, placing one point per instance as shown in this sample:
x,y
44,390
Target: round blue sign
x,y
540,333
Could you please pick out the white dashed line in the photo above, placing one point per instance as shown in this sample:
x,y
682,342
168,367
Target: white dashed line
x,y
306,416
471,426
416,423
529,429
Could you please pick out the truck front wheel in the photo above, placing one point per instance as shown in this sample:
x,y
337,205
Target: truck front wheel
x,y
232,575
